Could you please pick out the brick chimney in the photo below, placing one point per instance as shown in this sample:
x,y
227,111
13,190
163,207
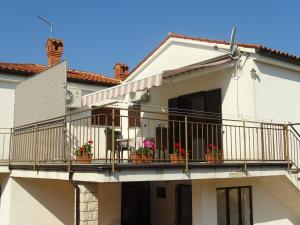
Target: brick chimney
x,y
54,50
121,71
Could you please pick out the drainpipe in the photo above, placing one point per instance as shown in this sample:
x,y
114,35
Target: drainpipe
x,y
77,198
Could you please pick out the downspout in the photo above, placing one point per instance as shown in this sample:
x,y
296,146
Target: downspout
x,y
77,198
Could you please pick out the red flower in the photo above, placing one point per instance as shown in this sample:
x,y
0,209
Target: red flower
x,y
81,149
176,145
90,142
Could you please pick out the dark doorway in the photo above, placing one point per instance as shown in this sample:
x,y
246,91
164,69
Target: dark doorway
x,y
135,203
204,110
184,205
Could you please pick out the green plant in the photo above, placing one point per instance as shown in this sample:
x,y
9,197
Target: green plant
x,y
144,151
86,148
214,150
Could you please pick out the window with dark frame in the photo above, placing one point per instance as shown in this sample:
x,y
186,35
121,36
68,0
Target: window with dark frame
x,y
234,206
134,116
103,116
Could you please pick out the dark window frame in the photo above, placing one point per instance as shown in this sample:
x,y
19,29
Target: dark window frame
x,y
239,188
134,116
103,116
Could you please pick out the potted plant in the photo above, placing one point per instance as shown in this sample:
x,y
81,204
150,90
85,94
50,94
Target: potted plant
x,y
84,153
214,154
144,154
178,155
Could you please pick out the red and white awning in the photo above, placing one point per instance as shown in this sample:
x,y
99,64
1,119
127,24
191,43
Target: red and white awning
x,y
121,90
156,80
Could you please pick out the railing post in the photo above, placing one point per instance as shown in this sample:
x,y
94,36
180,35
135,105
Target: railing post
x,y
35,145
70,143
245,145
262,141
186,144
286,144
113,140
10,146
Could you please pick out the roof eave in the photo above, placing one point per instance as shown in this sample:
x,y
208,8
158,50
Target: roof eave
x,y
268,53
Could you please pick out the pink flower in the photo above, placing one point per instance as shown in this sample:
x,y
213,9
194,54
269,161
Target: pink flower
x,y
149,144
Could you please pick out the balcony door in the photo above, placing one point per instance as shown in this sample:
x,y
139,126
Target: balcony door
x,y
184,205
136,203
202,128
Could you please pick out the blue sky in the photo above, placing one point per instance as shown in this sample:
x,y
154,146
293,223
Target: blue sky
x,y
97,34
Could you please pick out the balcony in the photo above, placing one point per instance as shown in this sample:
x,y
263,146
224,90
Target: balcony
x,y
133,138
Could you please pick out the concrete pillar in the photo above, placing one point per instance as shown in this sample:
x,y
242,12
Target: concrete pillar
x,y
88,203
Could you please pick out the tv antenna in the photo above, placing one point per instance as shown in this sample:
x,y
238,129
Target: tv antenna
x,y
233,45
48,23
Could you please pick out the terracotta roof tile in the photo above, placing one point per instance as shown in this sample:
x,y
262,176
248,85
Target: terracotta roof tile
x,y
260,49
73,75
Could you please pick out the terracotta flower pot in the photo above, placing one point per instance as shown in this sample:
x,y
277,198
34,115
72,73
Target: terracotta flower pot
x,y
136,158
140,158
146,158
84,158
213,158
176,158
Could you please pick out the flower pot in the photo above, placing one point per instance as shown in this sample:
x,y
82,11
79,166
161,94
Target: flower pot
x,y
213,158
140,158
84,158
176,158
136,158
146,158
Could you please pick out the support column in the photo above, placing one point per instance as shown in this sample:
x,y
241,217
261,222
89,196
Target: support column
x,y
88,203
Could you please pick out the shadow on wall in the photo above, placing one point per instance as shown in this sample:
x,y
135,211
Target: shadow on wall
x,y
279,201
55,198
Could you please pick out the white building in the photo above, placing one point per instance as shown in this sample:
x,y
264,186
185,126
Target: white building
x,y
198,96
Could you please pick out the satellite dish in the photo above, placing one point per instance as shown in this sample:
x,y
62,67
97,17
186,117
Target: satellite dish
x,y
233,45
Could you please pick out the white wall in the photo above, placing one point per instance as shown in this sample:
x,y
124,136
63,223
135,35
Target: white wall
x,y
277,92
267,207
5,203
110,203
175,54
35,202
163,210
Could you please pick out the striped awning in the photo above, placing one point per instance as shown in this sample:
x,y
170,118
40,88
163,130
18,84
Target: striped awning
x,y
121,90
148,82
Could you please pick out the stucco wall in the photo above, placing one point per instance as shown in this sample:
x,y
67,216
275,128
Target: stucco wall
x,y
163,210
110,203
176,54
267,207
276,93
35,202
5,203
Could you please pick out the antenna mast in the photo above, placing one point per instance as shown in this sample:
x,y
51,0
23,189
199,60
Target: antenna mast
x,y
48,23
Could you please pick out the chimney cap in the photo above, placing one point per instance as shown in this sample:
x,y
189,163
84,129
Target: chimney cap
x,y
121,71
54,50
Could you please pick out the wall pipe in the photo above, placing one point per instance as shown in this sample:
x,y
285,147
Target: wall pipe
x,y
77,198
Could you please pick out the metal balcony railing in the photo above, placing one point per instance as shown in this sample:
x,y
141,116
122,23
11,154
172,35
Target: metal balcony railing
x,y
128,137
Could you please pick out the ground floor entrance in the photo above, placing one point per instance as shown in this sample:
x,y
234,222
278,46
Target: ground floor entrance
x,y
157,203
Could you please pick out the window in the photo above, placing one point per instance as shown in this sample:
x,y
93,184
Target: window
x,y
234,206
103,116
134,116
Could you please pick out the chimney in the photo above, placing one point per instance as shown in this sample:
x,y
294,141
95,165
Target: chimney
x,y
54,49
121,71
